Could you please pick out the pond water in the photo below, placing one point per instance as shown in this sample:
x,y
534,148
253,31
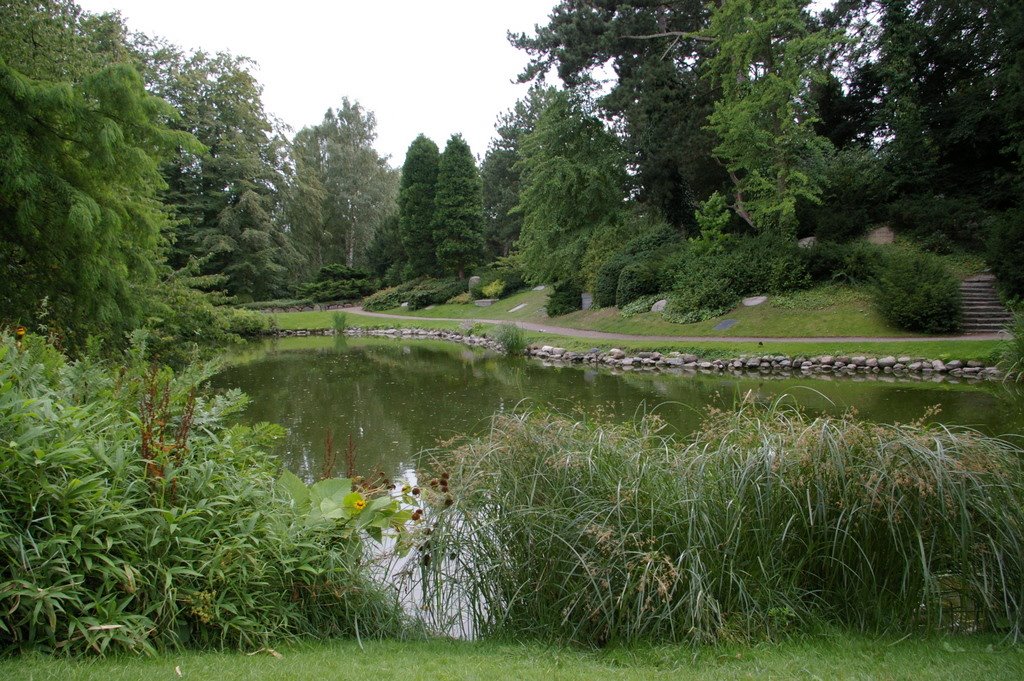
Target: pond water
x,y
397,398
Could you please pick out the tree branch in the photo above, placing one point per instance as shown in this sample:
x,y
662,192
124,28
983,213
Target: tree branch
x,y
678,35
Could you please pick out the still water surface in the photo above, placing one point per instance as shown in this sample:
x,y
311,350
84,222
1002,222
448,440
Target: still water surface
x,y
396,398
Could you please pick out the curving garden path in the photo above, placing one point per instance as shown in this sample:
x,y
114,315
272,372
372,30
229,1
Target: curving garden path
x,y
605,335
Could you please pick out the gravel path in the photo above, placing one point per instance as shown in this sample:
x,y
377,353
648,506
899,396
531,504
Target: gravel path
x,y
604,335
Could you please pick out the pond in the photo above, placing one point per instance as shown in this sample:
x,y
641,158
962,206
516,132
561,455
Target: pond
x,y
397,398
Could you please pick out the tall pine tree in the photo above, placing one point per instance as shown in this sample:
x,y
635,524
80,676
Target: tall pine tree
x,y
458,213
416,205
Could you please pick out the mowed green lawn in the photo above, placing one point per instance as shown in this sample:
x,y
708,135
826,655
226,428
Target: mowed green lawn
x,y
825,311
840,657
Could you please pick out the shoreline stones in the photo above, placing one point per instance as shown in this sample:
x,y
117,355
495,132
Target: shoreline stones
x,y
828,367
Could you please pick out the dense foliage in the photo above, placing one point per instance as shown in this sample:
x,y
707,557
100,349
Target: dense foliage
x,y
343,192
416,207
917,292
573,186
134,517
415,294
337,282
565,297
458,209
765,522
79,182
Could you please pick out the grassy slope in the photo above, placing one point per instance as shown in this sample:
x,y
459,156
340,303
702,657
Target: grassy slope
x,y
825,312
849,657
842,312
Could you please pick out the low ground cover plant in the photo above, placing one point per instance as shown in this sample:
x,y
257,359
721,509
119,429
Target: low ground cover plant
x,y
766,521
418,293
337,282
133,517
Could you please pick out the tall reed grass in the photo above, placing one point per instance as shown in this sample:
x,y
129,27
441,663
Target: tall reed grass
x,y
1013,351
766,520
511,337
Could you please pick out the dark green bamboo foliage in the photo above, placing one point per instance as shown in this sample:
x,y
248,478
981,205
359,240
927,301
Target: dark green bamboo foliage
x,y
342,192
79,179
416,205
458,212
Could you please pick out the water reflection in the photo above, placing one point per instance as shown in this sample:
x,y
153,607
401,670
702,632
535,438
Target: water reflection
x,y
397,398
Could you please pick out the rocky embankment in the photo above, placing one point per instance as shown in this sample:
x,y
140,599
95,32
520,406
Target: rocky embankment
x,y
892,367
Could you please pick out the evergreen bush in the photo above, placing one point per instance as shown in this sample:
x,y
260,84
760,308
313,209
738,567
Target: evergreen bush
x,y
565,297
916,292
607,282
1006,252
638,278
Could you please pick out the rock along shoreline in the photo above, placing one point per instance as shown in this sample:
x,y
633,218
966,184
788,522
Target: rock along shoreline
x,y
818,366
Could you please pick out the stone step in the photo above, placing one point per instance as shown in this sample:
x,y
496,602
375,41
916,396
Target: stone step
x,y
986,313
983,328
982,310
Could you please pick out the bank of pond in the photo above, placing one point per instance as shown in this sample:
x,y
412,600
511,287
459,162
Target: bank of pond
x,y
422,486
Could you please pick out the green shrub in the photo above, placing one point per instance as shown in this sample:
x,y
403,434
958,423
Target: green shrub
x,y
338,282
279,303
505,270
607,281
916,292
855,263
640,305
701,299
339,321
493,289
135,518
569,531
1006,252
247,323
434,292
387,298
419,293
565,297
638,278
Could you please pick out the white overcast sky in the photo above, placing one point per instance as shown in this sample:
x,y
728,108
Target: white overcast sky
x,y
432,66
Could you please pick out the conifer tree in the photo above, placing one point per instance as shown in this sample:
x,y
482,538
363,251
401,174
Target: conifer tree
x,y
81,219
458,215
416,205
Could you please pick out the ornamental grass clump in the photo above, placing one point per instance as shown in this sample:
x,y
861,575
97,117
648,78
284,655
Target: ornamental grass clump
x,y
511,338
765,521
134,517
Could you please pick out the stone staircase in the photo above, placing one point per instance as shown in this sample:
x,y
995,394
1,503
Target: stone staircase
x,y
983,312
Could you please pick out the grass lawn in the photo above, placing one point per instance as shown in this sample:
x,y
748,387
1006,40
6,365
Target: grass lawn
x,y
824,311
290,321
840,657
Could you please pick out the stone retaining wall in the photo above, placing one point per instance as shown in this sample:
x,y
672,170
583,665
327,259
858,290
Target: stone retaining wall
x,y
891,367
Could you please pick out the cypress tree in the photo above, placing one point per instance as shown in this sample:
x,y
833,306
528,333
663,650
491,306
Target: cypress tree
x,y
458,216
416,204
